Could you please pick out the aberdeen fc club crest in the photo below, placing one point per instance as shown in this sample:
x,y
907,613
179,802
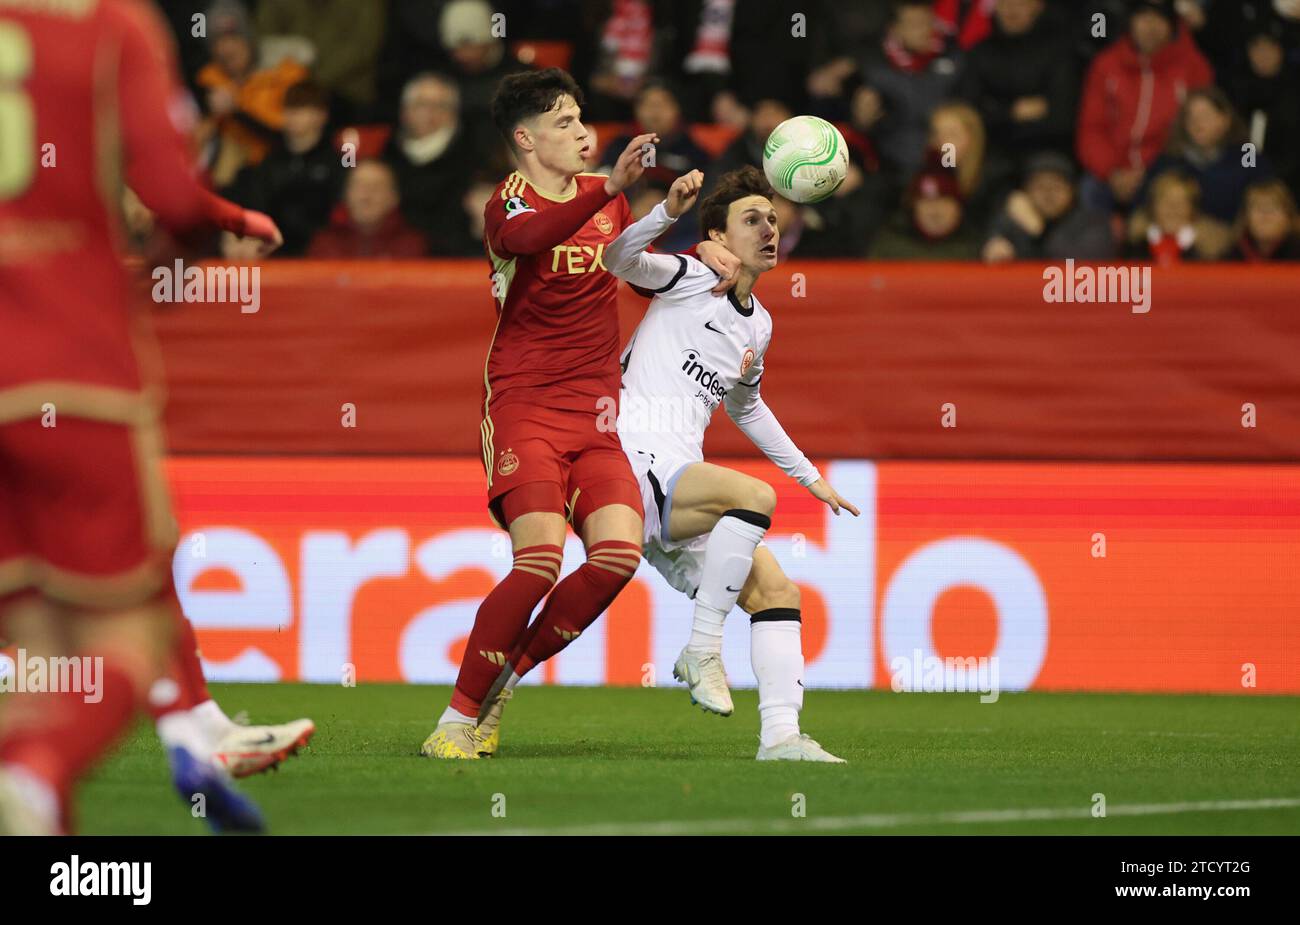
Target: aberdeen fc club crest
x,y
508,463
746,361
603,224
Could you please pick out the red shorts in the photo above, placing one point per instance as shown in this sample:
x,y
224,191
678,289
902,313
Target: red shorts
x,y
84,512
524,444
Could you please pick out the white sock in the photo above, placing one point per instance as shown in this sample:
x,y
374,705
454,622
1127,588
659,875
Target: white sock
x,y
512,681
214,723
776,654
455,716
728,557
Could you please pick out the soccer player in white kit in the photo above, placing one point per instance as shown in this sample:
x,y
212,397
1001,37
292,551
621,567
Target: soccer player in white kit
x,y
692,352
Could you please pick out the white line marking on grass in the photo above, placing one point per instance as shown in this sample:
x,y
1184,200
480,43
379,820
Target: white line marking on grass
x,y
1188,735
890,821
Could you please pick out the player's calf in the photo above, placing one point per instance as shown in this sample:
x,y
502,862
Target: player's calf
x,y
776,654
501,619
578,601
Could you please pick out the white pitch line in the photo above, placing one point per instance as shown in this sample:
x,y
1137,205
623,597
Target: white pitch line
x,y
890,821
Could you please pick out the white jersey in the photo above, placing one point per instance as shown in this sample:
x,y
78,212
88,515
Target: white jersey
x,y
692,352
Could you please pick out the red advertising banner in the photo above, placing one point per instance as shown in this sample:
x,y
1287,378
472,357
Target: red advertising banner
x,y
1046,576
868,361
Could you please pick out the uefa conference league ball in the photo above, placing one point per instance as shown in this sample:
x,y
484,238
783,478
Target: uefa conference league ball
x,y
805,159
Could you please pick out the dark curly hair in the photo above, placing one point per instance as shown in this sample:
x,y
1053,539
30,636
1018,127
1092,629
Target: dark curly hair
x,y
530,93
736,184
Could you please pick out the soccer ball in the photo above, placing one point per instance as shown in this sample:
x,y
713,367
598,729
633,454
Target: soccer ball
x,y
805,159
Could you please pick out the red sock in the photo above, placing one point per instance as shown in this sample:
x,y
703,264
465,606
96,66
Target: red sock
x,y
66,734
501,618
183,669
577,601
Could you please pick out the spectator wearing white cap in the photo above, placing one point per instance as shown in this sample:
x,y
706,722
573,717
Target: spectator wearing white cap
x,y
472,38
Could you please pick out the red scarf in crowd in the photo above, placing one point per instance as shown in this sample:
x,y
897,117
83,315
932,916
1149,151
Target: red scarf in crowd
x,y
628,36
970,21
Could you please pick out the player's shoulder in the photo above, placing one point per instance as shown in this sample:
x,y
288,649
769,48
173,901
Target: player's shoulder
x,y
692,281
586,181
760,319
513,196
514,184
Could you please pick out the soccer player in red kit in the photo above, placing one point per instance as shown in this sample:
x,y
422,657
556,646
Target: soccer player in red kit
x,y
89,99
551,384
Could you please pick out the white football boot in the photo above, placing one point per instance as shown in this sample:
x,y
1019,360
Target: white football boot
x,y
707,678
800,747
250,750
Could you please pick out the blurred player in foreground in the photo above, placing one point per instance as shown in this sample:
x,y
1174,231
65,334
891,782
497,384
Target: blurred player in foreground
x,y
89,92
550,449
704,524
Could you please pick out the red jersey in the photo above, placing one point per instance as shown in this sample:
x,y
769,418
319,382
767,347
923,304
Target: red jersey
x,y
89,99
557,340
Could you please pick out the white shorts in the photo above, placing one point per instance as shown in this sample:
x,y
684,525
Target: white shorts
x,y
681,563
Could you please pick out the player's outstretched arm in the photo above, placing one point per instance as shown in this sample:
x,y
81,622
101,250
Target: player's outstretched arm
x,y
627,257
713,255
155,151
721,261
822,491
752,415
519,232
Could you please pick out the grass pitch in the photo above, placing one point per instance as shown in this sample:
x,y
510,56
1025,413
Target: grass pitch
x,y
584,760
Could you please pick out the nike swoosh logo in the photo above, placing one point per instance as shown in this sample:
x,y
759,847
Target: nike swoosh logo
x,y
733,590
709,325
267,741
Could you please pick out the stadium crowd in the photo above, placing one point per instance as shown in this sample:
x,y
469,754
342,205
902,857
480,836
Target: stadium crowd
x,y
995,130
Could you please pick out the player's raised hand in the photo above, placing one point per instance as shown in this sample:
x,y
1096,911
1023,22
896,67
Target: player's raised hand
x,y
822,491
630,164
683,193
263,229
721,261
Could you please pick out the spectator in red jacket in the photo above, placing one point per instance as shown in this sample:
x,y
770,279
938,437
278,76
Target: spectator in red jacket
x,y
1130,99
373,226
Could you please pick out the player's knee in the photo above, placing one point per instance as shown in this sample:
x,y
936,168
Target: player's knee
x,y
541,561
616,561
759,496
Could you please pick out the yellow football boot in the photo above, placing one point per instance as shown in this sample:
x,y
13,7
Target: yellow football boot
x,y
452,740
489,728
